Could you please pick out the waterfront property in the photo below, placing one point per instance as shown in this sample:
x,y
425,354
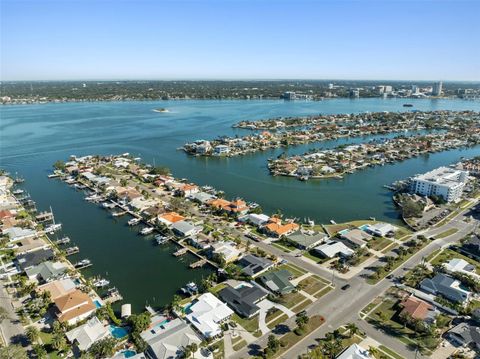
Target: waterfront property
x,y
243,299
84,336
74,307
447,287
444,182
278,282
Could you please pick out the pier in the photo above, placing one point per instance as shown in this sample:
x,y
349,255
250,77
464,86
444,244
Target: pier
x,y
198,264
181,252
71,250
112,296
64,240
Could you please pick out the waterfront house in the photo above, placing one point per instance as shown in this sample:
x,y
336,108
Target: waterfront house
x,y
221,150
57,288
31,259
29,245
237,207
185,229
201,241
257,220
187,190
445,286
471,248
253,266
355,237
18,233
458,265
74,307
228,250
278,282
140,204
333,248
207,313
465,335
46,271
418,309
6,214
306,240
275,227
355,351
153,212
170,218
202,197
243,299
84,336
167,339
380,229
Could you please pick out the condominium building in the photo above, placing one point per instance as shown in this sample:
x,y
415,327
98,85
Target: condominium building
x,y
444,182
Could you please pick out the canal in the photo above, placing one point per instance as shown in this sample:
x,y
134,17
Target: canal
x,y
35,136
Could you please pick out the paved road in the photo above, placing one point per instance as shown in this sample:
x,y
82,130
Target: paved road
x,y
340,307
11,329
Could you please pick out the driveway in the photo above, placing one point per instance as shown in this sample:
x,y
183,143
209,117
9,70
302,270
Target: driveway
x,y
264,306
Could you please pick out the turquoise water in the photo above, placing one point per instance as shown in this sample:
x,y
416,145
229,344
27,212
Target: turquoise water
x,y
32,137
97,304
118,332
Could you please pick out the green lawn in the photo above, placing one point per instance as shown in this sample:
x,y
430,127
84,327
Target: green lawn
x,y
217,288
290,339
311,285
311,254
277,321
250,325
448,254
291,299
447,233
379,243
390,352
402,232
281,247
239,344
297,308
293,269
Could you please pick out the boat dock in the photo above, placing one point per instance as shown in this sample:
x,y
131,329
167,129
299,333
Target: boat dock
x,y
64,240
198,264
181,252
119,213
71,250
83,264
113,295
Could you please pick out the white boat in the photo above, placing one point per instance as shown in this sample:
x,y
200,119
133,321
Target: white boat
x,y
101,283
161,239
53,227
190,289
80,186
146,230
83,263
70,180
133,221
108,205
333,222
93,198
18,191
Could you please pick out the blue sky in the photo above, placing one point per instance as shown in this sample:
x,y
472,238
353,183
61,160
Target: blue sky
x,y
122,39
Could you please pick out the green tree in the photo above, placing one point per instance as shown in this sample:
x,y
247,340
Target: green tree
x,y
352,329
140,322
32,334
40,351
104,348
59,342
59,165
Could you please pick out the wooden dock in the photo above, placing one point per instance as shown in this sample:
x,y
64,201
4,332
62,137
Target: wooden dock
x,y
198,264
71,250
181,252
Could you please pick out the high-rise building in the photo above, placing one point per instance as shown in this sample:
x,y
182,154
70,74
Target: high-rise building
x,y
437,88
444,182
354,93
414,89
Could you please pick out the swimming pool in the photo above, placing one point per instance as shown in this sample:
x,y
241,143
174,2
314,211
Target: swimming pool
x,y
364,227
118,332
129,353
97,303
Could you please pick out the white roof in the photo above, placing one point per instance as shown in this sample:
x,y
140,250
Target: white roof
x,y
258,217
355,351
228,249
88,333
456,264
332,248
207,313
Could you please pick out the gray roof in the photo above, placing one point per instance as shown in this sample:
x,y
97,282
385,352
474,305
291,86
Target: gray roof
x,y
182,227
168,340
243,299
468,334
278,281
31,259
305,240
442,284
47,270
202,197
88,333
252,265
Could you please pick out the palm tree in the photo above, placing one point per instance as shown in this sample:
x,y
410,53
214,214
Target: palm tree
x,y
373,351
352,329
13,352
32,334
59,342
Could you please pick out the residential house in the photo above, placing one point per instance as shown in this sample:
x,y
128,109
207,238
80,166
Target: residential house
x,y
257,220
46,271
74,307
333,248
18,233
466,335
275,227
221,150
355,351
29,245
306,240
202,197
237,207
188,190
57,288
31,259
170,218
185,229
356,238
445,286
380,229
201,241
243,299
84,336
228,250
254,266
278,282
418,309
458,265
168,339
207,314
471,248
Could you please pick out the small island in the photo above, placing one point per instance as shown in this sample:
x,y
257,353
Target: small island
x,y
161,110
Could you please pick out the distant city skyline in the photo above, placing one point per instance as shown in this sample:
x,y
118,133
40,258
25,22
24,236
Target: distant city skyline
x,y
239,40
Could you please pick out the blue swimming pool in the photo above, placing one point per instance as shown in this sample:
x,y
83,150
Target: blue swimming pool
x,y
97,303
129,353
364,227
118,332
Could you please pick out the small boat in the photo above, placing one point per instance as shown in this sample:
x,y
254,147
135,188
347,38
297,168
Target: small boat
x,y
146,230
18,191
118,214
108,205
70,180
161,239
133,221
83,263
100,283
333,222
53,175
190,289
94,198
63,240
53,227
407,105
80,186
